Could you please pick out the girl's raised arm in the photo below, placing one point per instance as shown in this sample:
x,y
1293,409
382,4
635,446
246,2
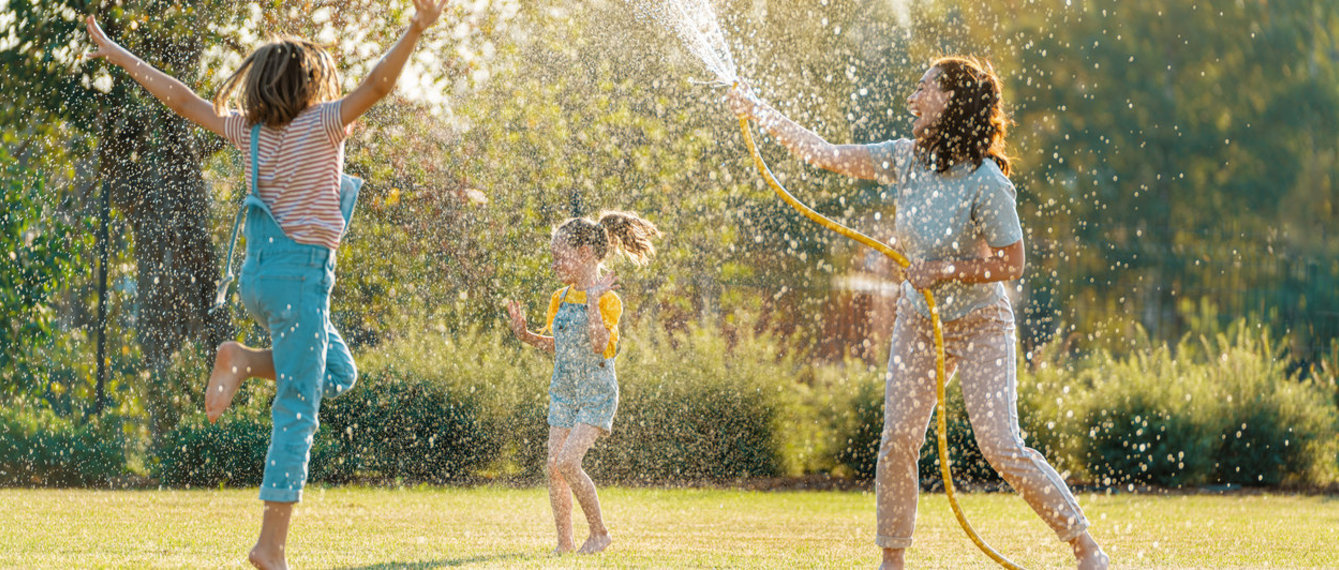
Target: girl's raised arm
x,y
175,94
518,328
381,81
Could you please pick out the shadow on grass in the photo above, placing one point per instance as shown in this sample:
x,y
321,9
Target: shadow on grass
x,y
447,563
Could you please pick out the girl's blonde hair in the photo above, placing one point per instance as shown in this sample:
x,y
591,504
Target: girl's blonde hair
x,y
626,232
279,80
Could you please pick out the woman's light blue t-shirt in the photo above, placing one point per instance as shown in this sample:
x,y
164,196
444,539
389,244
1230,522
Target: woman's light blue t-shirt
x,y
946,217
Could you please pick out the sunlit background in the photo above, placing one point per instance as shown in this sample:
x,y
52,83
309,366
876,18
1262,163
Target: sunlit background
x,y
1177,164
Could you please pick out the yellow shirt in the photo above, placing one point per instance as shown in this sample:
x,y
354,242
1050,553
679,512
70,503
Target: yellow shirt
x,y
611,309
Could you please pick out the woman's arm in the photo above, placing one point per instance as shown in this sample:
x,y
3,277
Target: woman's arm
x,y
850,159
381,81
518,328
175,94
1002,264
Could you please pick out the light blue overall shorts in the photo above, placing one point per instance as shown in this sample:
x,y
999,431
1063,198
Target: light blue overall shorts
x,y
584,387
285,285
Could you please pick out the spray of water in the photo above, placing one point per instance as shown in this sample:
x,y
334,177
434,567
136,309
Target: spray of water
x,y
694,21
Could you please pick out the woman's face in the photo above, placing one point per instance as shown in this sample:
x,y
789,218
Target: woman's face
x,y
568,261
927,102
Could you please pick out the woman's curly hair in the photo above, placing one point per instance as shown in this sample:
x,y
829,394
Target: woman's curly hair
x,y
973,124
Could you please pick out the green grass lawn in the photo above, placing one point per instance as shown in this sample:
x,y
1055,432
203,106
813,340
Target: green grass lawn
x,y
494,527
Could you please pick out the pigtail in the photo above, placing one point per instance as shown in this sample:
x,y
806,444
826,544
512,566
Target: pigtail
x,y
630,234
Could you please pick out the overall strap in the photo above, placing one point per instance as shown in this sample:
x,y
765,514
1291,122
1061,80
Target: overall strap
x,y
221,294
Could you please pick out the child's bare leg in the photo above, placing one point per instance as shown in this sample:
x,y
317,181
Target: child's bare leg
x,y
233,364
560,495
569,464
1088,554
268,553
893,559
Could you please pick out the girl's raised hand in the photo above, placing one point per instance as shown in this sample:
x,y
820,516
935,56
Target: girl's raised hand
x,y
106,47
517,314
426,13
601,286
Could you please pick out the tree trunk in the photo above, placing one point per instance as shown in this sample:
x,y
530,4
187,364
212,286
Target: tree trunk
x,y
153,162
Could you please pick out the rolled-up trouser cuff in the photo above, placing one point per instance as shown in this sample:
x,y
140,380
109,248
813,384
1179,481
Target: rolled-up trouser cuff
x,y
892,542
280,495
1073,532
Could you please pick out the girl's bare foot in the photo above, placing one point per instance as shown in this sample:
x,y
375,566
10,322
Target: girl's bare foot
x,y
229,372
562,549
265,560
596,543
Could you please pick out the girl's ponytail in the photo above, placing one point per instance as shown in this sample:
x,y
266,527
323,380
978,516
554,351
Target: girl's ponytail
x,y
630,234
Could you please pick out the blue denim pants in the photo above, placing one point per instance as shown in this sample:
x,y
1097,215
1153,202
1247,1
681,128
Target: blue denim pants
x,y
286,286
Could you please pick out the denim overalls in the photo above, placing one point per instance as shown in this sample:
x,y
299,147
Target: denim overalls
x,y
285,285
584,387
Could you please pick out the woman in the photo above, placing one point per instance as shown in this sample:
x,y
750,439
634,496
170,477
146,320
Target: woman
x,y
957,222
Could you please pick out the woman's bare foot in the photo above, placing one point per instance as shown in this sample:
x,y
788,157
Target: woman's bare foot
x,y
893,559
1088,554
230,369
1095,561
562,549
266,560
596,543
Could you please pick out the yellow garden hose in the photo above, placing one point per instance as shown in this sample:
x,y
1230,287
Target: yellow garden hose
x,y
934,317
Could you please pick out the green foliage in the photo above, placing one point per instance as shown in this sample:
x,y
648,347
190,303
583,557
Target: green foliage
x,y
402,426
1220,409
719,415
231,452
40,448
1177,165
448,408
858,427
726,411
38,253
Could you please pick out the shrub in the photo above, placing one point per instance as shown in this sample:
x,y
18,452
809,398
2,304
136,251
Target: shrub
x,y
400,426
230,452
1221,409
472,401
698,405
857,427
1273,426
38,447
707,405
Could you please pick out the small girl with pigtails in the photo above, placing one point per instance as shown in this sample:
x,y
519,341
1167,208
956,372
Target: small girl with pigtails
x,y
583,392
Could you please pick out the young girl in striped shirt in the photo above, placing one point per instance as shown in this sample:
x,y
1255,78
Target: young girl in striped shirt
x,y
292,123
583,392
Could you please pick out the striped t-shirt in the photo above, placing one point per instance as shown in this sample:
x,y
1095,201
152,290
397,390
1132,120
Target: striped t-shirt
x,y
300,166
